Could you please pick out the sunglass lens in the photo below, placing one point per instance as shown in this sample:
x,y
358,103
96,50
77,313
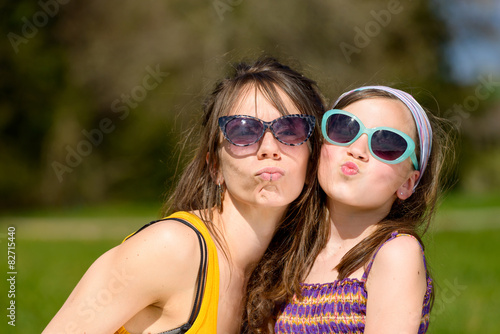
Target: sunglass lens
x,y
291,130
342,128
388,145
244,131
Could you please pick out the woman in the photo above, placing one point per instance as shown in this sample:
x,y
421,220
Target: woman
x,y
380,168
188,272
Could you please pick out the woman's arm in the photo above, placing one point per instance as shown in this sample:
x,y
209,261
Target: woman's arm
x,y
147,269
396,287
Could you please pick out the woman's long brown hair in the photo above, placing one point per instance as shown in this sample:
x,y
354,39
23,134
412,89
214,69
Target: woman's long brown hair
x,y
197,189
277,277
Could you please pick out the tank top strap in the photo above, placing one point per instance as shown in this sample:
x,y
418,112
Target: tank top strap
x,y
394,235
203,317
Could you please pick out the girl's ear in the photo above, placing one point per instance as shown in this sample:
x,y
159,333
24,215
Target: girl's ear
x,y
406,189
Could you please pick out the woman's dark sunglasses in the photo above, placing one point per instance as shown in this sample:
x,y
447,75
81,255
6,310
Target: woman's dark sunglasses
x,y
243,130
386,144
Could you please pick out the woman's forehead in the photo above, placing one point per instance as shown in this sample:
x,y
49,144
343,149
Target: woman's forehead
x,y
256,101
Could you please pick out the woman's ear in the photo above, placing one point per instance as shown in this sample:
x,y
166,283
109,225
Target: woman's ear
x,y
215,172
207,158
406,189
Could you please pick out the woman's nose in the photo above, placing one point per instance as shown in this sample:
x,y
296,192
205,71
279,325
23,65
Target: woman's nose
x,y
269,147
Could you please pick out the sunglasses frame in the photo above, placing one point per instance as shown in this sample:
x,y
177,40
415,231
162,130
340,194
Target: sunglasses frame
x,y
408,153
224,120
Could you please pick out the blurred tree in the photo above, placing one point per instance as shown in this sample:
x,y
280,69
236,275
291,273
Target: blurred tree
x,y
472,52
31,79
95,104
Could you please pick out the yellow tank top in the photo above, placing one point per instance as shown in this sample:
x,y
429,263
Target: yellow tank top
x,y
206,321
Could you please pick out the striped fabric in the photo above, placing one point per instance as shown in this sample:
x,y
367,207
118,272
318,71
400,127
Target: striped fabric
x,y
337,307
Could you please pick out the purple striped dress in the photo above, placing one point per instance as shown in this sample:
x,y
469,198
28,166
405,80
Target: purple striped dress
x,y
337,307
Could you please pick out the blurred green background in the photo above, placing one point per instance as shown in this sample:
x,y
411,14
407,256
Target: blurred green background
x,y
96,98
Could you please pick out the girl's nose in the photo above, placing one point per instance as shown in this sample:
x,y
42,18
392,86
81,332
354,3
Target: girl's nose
x,y
359,149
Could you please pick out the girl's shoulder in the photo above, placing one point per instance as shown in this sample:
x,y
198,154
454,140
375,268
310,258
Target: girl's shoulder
x,y
399,247
400,257
398,286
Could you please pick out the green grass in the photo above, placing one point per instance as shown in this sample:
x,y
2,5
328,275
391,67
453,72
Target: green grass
x,y
463,263
466,269
121,209
454,200
47,273
54,251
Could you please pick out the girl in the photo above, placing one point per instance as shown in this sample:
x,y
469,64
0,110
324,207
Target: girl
x,y
379,169
254,168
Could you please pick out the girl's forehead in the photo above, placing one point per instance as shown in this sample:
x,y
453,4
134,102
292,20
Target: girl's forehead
x,y
375,112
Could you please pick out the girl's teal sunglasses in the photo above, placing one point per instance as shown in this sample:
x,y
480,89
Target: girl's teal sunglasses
x,y
386,144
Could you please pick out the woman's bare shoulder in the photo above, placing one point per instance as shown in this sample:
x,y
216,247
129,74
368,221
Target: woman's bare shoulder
x,y
147,269
166,244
